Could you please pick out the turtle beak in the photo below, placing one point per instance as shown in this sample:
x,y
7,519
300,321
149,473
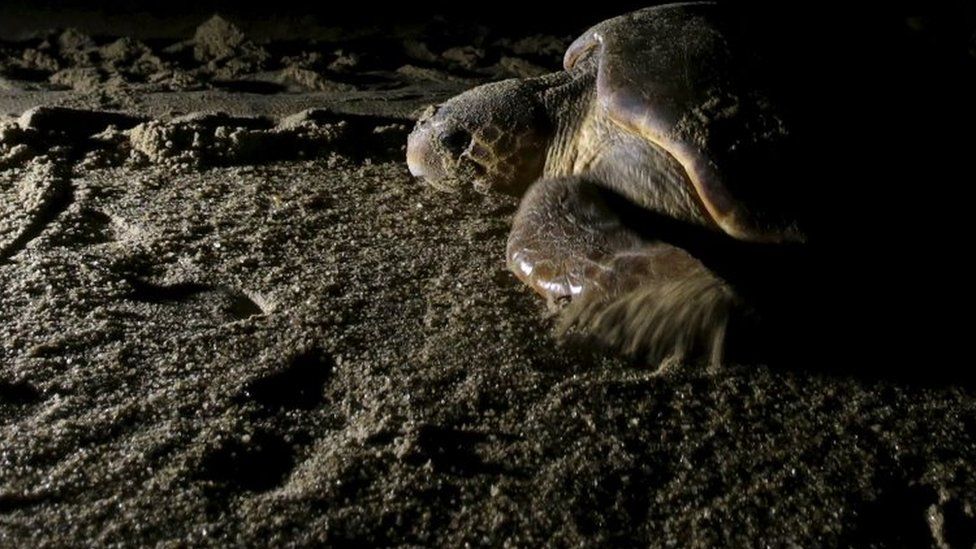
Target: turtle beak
x,y
435,147
419,151
421,155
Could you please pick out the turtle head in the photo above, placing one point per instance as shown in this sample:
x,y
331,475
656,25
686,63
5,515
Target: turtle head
x,y
493,137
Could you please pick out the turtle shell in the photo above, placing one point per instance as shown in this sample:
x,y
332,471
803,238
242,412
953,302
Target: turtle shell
x,y
692,79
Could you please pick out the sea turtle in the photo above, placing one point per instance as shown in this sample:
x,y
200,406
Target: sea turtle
x,y
666,127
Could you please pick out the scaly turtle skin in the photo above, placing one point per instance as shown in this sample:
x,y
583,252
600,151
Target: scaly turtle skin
x,y
661,114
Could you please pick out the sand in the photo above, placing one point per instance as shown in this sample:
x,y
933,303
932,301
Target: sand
x,y
256,328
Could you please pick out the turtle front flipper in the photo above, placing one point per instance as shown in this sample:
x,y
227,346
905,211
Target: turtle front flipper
x,y
642,296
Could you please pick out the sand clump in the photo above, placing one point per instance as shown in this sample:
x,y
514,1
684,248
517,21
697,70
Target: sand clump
x,y
225,49
220,55
207,140
196,140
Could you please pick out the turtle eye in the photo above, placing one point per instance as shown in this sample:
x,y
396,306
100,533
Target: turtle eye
x,y
456,140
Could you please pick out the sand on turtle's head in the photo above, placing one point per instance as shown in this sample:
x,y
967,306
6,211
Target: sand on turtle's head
x,y
493,137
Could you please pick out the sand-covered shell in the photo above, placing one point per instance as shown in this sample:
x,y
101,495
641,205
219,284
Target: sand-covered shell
x,y
691,78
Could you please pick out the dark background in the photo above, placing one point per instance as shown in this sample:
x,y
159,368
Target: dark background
x,y
160,18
